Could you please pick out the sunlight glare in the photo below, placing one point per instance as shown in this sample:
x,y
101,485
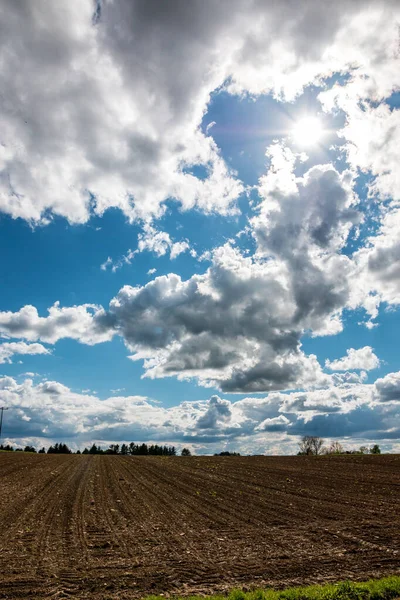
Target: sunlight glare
x,y
307,131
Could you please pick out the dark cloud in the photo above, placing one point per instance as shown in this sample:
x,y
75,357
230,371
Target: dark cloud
x,y
360,422
218,410
388,388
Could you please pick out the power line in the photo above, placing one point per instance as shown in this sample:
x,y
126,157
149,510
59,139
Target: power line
x,y
2,409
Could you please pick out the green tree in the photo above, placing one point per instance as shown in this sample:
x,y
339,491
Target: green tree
x,y
186,452
29,449
375,449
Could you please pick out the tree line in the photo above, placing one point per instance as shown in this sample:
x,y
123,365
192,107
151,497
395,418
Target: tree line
x,y
314,446
309,445
131,449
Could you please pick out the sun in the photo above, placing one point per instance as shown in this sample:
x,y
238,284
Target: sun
x,y
307,131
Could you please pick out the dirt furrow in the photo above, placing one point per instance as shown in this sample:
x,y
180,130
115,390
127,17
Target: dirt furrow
x,y
94,527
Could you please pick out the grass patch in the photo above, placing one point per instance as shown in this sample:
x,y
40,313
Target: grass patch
x,y
387,588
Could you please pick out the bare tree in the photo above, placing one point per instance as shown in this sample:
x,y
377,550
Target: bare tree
x,y
336,448
311,445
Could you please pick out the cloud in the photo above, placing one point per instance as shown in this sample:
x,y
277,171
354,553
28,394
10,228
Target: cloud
x,y
126,259
218,411
305,222
160,243
131,136
377,272
50,411
129,127
274,424
363,358
107,263
238,326
9,349
150,240
129,103
388,388
74,322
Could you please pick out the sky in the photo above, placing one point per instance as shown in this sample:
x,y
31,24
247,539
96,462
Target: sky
x,y
200,223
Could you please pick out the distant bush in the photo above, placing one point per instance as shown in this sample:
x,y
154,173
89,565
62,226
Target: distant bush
x,y
186,452
226,453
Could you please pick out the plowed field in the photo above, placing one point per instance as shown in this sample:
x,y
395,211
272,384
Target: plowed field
x,y
122,527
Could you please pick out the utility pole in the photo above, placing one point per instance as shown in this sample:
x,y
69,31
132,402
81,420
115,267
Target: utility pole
x,y
2,409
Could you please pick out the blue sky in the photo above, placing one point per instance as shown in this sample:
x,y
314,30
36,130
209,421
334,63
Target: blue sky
x,y
238,257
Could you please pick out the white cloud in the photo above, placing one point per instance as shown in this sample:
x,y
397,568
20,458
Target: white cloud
x,y
210,126
150,240
126,259
377,266
108,114
273,424
74,322
9,349
107,263
160,242
388,388
130,138
239,325
51,411
360,359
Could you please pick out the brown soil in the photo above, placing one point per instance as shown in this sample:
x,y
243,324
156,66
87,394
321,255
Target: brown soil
x,y
123,527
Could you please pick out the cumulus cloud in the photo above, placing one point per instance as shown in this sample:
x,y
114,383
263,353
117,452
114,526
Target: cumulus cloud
x,y
9,349
218,411
76,322
129,127
388,388
377,266
273,424
239,325
160,243
129,104
50,411
305,223
361,359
